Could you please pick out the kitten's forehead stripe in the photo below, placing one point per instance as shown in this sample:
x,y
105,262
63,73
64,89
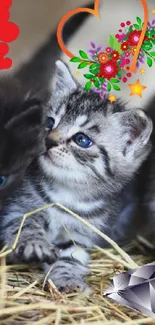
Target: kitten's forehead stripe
x,y
94,128
81,120
61,109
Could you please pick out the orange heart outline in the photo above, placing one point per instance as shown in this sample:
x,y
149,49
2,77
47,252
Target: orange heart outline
x,y
144,29
95,12
70,13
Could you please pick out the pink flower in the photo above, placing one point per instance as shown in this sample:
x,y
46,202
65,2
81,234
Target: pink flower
x,y
121,37
108,49
127,54
123,62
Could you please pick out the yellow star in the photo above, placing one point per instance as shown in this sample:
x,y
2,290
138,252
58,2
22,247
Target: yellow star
x,y
153,11
77,73
137,88
142,71
112,98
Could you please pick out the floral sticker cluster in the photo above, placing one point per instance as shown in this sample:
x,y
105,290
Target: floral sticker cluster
x,y
9,31
109,67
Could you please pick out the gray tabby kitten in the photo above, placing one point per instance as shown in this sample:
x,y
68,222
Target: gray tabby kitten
x,y
93,151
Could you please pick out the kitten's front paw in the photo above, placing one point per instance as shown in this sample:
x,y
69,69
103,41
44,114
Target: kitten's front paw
x,y
36,251
68,276
68,285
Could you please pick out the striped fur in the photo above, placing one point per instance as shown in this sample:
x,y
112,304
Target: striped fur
x,y
90,181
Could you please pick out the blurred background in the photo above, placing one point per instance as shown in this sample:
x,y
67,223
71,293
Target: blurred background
x,y
37,19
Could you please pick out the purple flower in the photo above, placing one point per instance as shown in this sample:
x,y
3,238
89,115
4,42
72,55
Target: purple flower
x,y
92,45
137,65
149,25
100,92
141,59
92,51
98,49
103,90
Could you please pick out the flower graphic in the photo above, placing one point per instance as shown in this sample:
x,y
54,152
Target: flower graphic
x,y
107,68
115,55
134,37
124,46
103,57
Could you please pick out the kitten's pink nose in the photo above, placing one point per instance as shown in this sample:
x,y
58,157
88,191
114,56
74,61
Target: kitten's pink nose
x,y
54,135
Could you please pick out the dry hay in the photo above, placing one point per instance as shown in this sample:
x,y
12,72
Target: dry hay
x,y
24,301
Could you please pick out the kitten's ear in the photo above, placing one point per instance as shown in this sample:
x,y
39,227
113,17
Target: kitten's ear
x,y
30,118
137,131
65,82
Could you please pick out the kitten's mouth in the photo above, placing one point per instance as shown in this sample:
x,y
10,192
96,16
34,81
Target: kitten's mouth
x,y
47,155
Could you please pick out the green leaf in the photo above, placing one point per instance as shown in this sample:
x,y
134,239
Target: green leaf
x,y
94,68
114,44
152,53
88,85
147,42
119,74
89,76
152,33
147,33
101,80
75,59
83,65
149,62
95,65
153,41
136,26
139,21
83,54
97,84
114,80
94,71
116,87
129,30
147,46
109,86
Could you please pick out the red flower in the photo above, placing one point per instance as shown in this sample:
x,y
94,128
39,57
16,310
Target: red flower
x,y
109,69
124,46
134,37
115,55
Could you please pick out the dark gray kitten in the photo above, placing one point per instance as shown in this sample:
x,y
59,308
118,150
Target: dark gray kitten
x,y
23,99
22,130
94,150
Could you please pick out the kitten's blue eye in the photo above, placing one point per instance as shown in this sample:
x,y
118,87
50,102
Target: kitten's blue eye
x,y
82,140
3,181
50,123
